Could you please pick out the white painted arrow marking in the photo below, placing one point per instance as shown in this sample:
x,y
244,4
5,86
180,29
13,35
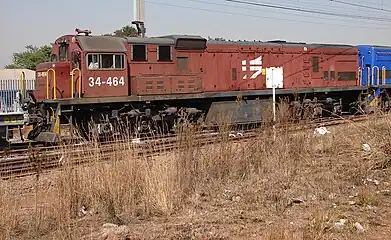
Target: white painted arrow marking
x,y
255,65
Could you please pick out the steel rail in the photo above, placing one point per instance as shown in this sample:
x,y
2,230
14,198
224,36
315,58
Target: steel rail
x,y
80,141
19,152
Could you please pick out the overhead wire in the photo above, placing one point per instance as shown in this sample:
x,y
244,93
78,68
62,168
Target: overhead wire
x,y
324,5
263,17
281,7
256,9
360,5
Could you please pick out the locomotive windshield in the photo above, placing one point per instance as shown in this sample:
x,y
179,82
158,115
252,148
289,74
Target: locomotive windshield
x,y
105,61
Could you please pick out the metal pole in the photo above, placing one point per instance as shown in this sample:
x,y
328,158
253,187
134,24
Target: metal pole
x,y
274,106
138,8
274,97
138,14
274,103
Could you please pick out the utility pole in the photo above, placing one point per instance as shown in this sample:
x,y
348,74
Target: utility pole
x,y
138,15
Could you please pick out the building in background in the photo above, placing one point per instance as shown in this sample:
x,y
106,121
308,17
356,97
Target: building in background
x,y
12,127
10,87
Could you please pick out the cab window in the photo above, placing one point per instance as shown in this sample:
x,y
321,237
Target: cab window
x,y
139,52
53,57
106,61
164,53
63,52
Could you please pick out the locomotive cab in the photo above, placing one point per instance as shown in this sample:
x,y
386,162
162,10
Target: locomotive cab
x,y
84,66
104,64
52,76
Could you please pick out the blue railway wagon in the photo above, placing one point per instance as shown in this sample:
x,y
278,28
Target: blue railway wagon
x,y
375,65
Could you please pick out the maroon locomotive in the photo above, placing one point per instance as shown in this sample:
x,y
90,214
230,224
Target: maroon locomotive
x,y
154,81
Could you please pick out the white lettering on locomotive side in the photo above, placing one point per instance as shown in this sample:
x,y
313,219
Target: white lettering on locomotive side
x,y
110,81
255,65
41,74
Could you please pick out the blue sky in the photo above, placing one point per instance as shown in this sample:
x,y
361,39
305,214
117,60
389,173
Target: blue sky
x,y
40,22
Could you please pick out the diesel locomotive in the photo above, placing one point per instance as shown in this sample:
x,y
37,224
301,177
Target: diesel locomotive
x,y
154,83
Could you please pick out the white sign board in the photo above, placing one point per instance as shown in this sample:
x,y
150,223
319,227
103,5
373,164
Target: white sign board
x,y
274,77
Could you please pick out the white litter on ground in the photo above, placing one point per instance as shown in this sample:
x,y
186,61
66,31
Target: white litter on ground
x,y
136,140
366,147
321,131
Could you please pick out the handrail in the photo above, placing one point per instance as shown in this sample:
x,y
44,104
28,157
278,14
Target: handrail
x,y
359,76
383,69
362,62
368,76
73,82
54,83
378,75
22,84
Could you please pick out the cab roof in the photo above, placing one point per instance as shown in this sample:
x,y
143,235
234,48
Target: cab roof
x,y
101,43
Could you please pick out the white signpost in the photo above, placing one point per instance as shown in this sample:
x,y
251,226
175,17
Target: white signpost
x,y
274,79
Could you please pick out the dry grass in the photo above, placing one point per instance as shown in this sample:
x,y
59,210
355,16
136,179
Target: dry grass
x,y
293,187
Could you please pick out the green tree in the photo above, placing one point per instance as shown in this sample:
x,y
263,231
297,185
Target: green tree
x,y
126,31
31,57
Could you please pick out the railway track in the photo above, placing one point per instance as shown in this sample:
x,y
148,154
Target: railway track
x,y
21,148
22,163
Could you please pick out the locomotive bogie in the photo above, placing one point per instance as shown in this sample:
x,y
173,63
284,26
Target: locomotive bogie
x,y
160,117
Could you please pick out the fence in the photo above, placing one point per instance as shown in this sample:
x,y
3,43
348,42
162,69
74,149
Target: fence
x,y
9,93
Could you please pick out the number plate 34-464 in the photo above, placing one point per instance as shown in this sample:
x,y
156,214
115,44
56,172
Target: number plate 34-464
x,y
110,81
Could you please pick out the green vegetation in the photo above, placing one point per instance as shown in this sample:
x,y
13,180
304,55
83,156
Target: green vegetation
x,y
30,58
34,55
